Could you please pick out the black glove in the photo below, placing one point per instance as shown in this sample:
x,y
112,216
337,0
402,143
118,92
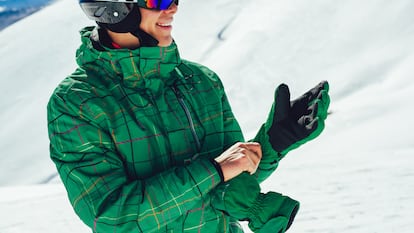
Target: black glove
x,y
293,123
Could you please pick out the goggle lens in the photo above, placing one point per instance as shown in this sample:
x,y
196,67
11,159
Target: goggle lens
x,y
159,4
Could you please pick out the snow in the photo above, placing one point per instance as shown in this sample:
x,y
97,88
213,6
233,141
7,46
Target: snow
x,y
357,177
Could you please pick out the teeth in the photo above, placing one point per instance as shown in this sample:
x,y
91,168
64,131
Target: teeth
x,y
164,24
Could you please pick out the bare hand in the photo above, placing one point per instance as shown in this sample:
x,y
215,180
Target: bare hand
x,y
241,157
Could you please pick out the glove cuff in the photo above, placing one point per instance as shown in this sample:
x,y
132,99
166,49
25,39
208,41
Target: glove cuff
x,y
289,209
272,206
262,137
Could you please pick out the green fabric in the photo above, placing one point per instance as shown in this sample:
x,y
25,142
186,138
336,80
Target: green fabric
x,y
270,160
241,198
125,148
274,225
273,207
237,195
235,227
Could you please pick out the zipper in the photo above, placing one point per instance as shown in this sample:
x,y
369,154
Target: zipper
x,y
188,116
162,129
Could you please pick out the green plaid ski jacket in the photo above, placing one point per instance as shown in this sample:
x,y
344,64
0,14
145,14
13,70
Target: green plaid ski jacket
x,y
132,134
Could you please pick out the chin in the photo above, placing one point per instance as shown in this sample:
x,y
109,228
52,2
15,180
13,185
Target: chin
x,y
165,43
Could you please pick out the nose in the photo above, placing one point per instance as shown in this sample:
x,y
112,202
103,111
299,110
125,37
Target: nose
x,y
172,9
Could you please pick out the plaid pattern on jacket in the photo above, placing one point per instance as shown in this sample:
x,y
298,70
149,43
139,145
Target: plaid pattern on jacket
x,y
132,134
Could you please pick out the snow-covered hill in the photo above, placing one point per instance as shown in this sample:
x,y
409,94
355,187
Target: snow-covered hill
x,y
12,11
357,177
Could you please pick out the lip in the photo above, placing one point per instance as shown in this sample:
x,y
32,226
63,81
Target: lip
x,y
164,26
165,22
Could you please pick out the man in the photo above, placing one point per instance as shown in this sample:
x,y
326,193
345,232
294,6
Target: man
x,y
146,142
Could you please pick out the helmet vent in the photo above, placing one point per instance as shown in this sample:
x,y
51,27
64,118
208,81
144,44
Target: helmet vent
x,y
100,11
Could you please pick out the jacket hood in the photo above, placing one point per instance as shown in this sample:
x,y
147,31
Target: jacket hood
x,y
147,68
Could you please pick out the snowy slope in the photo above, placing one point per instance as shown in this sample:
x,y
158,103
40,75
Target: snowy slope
x,y
357,177
12,11
36,53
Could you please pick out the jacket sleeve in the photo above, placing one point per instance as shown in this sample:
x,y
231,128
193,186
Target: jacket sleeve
x,y
98,186
232,129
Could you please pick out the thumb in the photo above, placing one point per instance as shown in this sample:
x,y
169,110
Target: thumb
x,y
282,102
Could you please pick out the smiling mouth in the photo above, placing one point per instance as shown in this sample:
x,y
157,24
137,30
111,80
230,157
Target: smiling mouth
x,y
164,24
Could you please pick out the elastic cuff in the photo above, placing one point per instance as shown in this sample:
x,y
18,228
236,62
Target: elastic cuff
x,y
218,168
289,209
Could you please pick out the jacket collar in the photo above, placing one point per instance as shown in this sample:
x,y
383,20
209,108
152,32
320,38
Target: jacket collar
x,y
144,68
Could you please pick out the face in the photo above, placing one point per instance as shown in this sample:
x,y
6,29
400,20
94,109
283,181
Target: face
x,y
159,23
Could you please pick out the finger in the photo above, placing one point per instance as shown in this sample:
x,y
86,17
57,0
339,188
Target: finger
x,y
308,121
300,106
251,143
255,158
318,109
281,104
255,147
326,100
324,105
252,153
322,86
313,93
249,159
253,162
322,96
315,127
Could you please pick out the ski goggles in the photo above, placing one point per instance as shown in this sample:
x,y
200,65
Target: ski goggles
x,y
157,4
